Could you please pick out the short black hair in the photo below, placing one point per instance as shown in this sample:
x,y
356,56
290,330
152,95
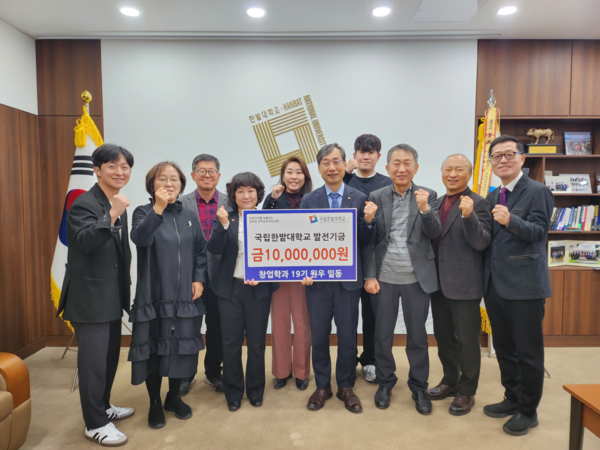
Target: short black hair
x,y
110,153
244,179
328,149
205,157
367,143
507,138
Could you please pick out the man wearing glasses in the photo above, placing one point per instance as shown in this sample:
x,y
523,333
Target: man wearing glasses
x,y
517,282
336,300
206,201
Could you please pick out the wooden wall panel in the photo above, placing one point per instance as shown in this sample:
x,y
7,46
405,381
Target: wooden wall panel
x,y
529,77
57,148
66,68
581,308
32,226
552,325
585,79
13,319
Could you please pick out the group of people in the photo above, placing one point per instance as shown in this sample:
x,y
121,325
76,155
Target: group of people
x,y
412,247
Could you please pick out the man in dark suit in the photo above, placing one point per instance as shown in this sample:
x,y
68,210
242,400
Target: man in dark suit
x,y
96,289
517,282
336,300
467,223
205,201
399,263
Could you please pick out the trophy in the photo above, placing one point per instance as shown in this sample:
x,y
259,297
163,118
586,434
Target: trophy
x,y
546,148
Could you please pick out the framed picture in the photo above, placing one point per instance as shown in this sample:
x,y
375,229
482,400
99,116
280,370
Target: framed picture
x,y
578,143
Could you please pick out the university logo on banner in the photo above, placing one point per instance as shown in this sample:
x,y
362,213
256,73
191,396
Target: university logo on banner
x,y
291,129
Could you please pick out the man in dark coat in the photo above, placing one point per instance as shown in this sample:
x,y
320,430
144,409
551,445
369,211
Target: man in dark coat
x,y
96,289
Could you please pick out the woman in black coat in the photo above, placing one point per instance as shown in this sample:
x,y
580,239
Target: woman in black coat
x,y
244,304
171,255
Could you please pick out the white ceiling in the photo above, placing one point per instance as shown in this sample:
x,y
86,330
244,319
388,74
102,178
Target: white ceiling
x,y
296,19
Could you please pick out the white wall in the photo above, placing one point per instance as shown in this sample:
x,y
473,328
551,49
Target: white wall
x,y
176,99
18,85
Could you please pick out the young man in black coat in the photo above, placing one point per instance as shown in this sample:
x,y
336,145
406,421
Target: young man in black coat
x,y
96,289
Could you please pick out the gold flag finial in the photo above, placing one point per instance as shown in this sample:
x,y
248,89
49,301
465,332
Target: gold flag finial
x,y
86,97
491,102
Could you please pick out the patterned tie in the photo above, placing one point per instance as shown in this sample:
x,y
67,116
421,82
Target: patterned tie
x,y
502,200
335,204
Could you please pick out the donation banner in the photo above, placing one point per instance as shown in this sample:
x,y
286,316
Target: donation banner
x,y
289,245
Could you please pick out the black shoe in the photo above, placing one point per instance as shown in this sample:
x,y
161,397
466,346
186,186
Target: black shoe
x,y
382,397
216,383
256,402
422,402
156,416
519,424
186,386
281,382
233,406
499,410
173,403
301,384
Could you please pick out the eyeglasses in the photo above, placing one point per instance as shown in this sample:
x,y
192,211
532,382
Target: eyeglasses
x,y
335,162
508,155
211,172
164,180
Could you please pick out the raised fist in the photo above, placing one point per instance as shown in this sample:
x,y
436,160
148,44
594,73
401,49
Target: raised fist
x,y
370,210
223,216
277,191
119,204
351,166
466,205
161,200
422,198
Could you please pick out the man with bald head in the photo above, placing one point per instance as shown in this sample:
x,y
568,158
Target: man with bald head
x,y
467,223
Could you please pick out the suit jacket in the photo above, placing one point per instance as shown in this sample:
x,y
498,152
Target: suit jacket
x,y
224,243
96,287
189,202
517,257
461,246
352,198
421,229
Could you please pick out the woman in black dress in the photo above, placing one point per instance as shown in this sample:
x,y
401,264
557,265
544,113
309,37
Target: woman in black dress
x,y
171,266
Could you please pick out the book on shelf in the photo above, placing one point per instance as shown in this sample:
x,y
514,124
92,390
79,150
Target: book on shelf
x,y
575,219
574,253
580,183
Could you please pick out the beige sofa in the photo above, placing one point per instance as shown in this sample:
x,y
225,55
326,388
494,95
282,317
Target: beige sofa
x,y
15,402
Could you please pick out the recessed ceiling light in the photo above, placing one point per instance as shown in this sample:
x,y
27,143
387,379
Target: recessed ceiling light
x,y
256,12
507,10
131,12
381,11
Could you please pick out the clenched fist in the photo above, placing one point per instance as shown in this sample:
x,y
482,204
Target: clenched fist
x,y
466,205
223,216
422,198
161,200
351,166
119,204
501,214
277,191
370,210
372,286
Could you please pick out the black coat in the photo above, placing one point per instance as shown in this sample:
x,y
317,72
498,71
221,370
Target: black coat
x,y
224,242
171,255
461,246
96,287
282,202
517,257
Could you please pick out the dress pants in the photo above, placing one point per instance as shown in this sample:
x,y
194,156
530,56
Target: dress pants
x,y
333,301
98,350
415,307
456,326
290,301
213,359
367,357
519,344
244,315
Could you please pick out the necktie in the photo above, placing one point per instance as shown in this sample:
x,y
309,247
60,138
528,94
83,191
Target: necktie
x,y
335,204
503,196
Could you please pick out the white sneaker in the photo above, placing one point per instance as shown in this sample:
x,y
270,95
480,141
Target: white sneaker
x,y
116,413
108,436
369,372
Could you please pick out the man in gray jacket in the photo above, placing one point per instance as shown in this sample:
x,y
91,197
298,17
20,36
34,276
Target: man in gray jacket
x,y
400,263
205,201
